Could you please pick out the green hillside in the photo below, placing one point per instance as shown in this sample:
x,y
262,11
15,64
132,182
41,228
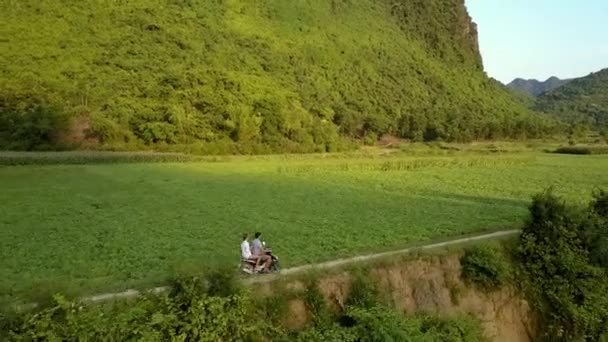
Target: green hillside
x,y
584,101
244,76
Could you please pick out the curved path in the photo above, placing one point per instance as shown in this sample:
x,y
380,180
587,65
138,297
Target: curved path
x,y
305,268
325,265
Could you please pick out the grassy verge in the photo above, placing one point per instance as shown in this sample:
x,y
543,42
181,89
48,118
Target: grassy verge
x,y
8,158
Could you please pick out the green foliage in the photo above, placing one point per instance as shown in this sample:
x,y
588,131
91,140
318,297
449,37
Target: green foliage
x,y
223,282
30,122
596,230
363,292
250,77
486,265
599,204
98,228
582,150
381,324
363,319
316,305
182,315
274,307
583,103
188,313
568,290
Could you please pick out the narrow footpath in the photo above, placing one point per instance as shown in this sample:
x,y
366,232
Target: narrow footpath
x,y
324,265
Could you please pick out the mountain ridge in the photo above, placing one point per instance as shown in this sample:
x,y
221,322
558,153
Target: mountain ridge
x,y
581,102
535,87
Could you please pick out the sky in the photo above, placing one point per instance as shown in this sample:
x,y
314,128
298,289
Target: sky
x,y
541,38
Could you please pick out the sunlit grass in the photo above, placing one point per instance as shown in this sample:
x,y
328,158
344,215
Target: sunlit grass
x,y
108,226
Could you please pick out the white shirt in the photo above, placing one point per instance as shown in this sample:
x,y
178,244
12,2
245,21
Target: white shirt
x,y
245,250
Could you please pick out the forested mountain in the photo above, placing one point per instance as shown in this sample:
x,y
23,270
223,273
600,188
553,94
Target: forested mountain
x,y
535,87
584,101
246,76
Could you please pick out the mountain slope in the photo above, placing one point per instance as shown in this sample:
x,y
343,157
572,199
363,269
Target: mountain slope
x,y
582,101
535,87
246,76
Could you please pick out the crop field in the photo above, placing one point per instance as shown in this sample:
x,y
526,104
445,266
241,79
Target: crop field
x,y
109,226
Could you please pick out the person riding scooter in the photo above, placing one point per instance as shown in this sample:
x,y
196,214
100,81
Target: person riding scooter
x,y
259,248
254,257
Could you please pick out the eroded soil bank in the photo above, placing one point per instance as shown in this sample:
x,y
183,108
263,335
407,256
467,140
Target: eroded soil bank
x,y
431,284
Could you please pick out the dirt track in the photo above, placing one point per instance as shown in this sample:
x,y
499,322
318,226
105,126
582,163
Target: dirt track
x,y
324,265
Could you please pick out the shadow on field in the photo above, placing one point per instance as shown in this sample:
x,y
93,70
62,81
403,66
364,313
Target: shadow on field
x,y
101,227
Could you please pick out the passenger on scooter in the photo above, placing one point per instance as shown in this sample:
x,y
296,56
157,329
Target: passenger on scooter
x,y
247,255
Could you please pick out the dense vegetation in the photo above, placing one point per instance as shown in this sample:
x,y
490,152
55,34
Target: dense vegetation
x,y
88,228
246,76
582,149
210,310
583,103
563,252
486,265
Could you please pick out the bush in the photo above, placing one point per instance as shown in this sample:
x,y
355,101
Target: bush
x,y
317,306
567,290
596,230
582,150
197,309
187,312
380,324
486,266
363,292
29,122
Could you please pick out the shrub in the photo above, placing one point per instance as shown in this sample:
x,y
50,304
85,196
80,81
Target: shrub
x,y
582,150
363,292
599,204
29,122
486,265
187,312
567,290
223,282
316,305
380,324
596,229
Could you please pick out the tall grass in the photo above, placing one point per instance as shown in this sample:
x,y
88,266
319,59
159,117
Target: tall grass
x,y
406,164
90,157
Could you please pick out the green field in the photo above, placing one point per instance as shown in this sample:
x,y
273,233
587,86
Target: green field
x,y
109,226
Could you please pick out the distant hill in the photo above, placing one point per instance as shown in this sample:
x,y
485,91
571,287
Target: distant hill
x,y
582,101
246,76
535,87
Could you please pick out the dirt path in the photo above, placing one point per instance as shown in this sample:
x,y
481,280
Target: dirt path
x,y
324,265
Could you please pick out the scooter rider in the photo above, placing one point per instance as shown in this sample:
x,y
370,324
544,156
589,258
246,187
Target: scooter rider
x,y
258,249
247,255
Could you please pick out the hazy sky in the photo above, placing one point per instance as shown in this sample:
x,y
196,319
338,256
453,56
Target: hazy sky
x,y
541,38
